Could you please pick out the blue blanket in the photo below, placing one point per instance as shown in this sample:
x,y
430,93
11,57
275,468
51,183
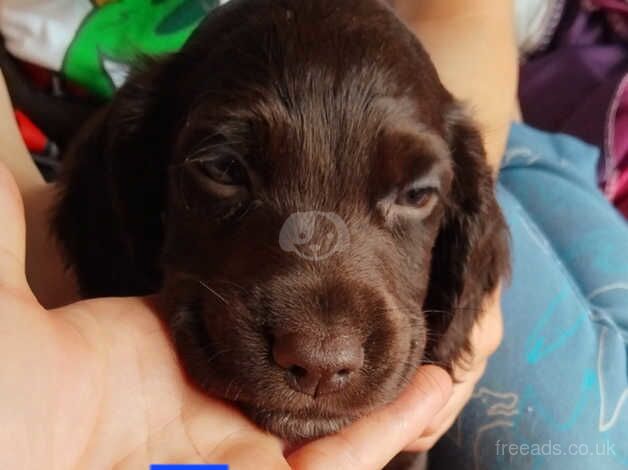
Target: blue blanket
x,y
555,394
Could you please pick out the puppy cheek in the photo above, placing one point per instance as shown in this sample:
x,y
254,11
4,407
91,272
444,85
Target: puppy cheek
x,y
406,335
196,337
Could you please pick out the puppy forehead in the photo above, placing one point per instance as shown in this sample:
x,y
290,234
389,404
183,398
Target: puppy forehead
x,y
323,154
307,103
318,143
325,55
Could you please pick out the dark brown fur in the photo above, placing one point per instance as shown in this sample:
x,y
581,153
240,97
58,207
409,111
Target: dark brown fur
x,y
332,105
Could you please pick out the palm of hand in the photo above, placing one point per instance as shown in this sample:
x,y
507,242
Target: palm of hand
x,y
118,396
96,384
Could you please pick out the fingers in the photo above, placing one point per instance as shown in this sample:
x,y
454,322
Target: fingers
x,y
250,451
447,416
12,234
374,440
486,337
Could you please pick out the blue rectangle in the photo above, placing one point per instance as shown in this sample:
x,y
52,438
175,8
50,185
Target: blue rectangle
x,y
161,466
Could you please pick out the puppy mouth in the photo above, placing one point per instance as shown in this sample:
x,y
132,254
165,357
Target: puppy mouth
x,y
299,417
298,428
318,418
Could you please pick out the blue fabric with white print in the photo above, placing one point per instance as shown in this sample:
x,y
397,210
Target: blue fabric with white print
x,y
555,395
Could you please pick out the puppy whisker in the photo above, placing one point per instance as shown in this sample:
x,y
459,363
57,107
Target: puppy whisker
x,y
233,284
213,291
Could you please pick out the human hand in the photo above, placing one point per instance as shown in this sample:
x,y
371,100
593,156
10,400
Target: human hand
x,y
485,337
49,279
96,384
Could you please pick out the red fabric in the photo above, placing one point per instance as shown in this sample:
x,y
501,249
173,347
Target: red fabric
x,y
35,139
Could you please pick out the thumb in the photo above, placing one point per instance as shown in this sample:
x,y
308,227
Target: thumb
x,y
373,441
12,234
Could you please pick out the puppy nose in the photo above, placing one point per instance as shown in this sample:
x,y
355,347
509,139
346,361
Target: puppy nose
x,y
319,366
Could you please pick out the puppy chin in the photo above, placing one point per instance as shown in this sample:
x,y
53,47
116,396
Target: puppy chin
x,y
301,426
296,430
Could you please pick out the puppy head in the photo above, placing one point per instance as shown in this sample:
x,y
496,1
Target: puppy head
x,y
312,202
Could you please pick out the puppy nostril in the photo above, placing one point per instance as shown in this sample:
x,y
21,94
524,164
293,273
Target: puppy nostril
x,y
316,366
297,371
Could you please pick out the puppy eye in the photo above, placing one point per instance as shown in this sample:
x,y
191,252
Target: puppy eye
x,y
225,169
417,197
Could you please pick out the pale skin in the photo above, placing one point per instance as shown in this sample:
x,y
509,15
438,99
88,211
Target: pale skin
x,y
95,384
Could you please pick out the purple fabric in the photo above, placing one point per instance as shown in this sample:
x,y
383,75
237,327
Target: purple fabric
x,y
616,13
579,86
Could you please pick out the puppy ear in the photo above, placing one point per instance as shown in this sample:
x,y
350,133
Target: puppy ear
x,y
112,191
471,253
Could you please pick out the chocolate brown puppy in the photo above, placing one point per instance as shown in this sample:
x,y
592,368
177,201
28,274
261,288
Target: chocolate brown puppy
x,y
312,204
